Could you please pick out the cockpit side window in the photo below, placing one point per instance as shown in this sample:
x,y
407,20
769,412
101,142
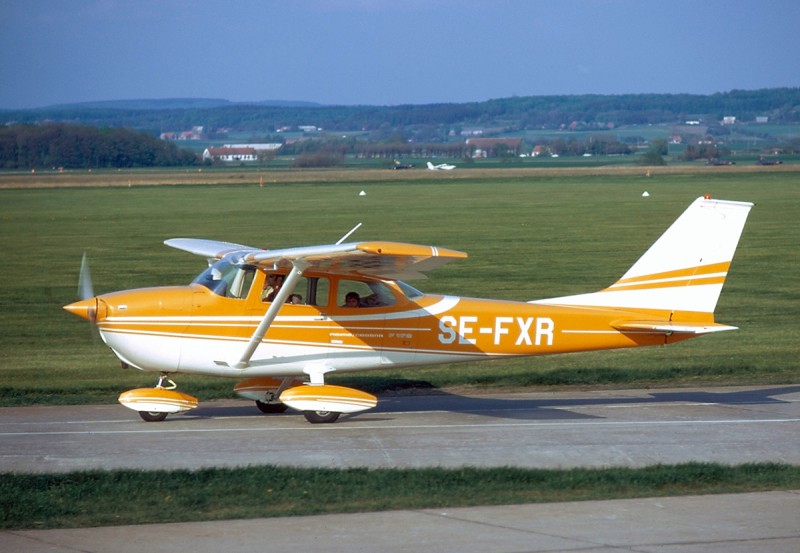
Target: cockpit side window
x,y
242,281
227,279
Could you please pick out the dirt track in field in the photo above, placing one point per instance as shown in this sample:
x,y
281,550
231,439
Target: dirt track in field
x,y
265,177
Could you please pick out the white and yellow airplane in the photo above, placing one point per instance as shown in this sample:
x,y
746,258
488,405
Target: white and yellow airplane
x,y
441,167
281,320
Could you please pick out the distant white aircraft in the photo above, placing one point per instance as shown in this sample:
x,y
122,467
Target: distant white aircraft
x,y
440,167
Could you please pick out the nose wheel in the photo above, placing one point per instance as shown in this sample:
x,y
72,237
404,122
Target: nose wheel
x,y
154,404
158,416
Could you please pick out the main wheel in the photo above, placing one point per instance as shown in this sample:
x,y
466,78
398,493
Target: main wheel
x,y
152,416
271,407
318,417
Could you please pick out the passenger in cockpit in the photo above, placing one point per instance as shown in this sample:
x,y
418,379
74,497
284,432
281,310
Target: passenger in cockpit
x,y
352,300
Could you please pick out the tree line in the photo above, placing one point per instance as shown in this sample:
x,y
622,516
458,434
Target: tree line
x,y
781,105
80,146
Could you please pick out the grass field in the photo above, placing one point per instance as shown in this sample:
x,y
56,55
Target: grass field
x,y
103,498
529,236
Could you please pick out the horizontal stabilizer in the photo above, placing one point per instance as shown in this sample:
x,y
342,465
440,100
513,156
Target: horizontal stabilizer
x,y
667,328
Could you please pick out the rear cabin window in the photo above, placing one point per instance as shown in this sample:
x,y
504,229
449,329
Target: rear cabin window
x,y
363,294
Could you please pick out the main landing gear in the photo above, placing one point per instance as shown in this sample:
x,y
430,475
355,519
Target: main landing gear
x,y
321,417
271,408
152,416
316,417
318,402
268,394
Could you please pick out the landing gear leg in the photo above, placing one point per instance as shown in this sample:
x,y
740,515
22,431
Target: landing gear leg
x,y
165,378
271,403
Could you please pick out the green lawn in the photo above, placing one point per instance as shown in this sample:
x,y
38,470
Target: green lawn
x,y
528,237
104,498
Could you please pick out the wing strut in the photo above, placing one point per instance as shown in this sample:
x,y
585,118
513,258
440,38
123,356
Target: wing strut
x,y
280,298
343,238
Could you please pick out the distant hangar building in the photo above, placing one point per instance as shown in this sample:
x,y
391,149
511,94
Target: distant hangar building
x,y
238,152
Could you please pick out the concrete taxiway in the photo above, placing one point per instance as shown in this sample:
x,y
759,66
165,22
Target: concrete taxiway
x,y
563,429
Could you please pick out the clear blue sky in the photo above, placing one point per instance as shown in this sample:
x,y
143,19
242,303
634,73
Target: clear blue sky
x,y
387,52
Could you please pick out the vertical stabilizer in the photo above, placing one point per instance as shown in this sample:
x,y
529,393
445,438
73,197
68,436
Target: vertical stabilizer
x,y
683,271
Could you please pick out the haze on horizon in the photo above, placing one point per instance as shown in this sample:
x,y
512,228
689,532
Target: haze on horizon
x,y
383,52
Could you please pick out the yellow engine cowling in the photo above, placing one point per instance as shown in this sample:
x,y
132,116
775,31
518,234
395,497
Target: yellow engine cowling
x,y
336,399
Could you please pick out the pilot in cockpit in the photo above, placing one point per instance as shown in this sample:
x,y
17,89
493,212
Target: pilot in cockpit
x,y
272,286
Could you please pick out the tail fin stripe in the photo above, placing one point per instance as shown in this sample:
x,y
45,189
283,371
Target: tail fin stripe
x,y
690,272
670,283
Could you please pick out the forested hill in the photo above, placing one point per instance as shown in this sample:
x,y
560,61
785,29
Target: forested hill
x,y
780,105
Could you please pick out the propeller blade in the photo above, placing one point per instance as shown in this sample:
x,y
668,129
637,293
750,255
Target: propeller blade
x,y
87,307
85,288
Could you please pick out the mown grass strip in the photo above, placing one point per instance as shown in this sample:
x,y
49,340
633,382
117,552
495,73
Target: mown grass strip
x,y
102,498
529,235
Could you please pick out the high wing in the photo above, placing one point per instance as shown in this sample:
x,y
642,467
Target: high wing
x,y
210,249
389,260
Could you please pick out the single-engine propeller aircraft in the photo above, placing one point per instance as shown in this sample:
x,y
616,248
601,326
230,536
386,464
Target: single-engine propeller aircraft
x,y
281,320
441,167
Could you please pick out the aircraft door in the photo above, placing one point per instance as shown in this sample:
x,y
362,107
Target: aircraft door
x,y
299,333
307,314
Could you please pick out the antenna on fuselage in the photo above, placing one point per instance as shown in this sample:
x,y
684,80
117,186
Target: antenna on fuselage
x,y
343,238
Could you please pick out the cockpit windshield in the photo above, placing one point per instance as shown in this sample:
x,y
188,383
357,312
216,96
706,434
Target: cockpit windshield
x,y
226,278
410,292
